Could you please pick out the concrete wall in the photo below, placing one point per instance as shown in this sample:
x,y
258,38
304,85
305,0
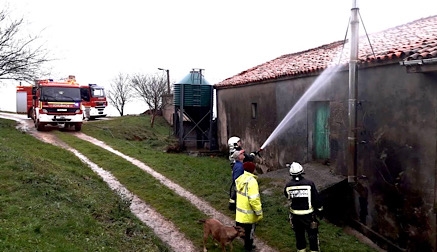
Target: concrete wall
x,y
396,152
168,108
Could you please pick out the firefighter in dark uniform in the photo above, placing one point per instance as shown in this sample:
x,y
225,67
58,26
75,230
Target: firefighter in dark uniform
x,y
305,203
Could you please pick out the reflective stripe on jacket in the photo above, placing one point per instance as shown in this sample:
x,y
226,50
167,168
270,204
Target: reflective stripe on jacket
x,y
303,195
249,209
301,191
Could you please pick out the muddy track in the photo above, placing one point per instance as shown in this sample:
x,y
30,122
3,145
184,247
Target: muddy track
x,y
163,228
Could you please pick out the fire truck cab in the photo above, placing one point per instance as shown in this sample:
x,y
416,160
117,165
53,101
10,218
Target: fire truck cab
x,y
93,101
56,103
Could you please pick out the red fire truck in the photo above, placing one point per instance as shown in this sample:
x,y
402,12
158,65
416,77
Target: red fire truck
x,y
48,102
93,101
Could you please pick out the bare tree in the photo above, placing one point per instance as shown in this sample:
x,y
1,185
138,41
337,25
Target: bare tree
x,y
120,93
21,57
150,88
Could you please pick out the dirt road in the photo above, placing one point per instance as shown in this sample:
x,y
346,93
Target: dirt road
x,y
162,227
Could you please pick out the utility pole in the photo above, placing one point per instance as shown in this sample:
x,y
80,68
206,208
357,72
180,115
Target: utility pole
x,y
168,78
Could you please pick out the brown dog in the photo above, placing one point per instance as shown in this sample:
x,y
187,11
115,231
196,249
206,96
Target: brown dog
x,y
221,233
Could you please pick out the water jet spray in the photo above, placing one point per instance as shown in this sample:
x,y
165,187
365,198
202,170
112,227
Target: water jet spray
x,y
321,81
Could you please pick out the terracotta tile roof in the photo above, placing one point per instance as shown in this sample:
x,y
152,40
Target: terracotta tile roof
x,y
411,41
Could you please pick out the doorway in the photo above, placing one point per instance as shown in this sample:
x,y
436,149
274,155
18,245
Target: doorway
x,y
318,129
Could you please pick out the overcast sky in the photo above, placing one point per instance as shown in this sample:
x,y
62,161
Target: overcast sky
x,y
95,39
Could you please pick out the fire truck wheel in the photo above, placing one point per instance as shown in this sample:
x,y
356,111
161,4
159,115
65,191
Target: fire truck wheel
x,y
78,126
39,126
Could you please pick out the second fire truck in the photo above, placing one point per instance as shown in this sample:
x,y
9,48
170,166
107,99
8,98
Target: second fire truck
x,y
93,101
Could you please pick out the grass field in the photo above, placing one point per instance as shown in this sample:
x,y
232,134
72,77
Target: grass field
x,y
50,201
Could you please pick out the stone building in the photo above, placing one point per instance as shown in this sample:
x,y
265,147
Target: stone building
x,y
297,108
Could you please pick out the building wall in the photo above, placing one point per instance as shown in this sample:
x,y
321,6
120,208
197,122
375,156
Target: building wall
x,y
293,99
397,154
396,142
234,115
168,108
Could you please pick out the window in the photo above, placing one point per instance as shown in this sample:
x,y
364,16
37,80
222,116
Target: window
x,y
254,110
84,93
97,92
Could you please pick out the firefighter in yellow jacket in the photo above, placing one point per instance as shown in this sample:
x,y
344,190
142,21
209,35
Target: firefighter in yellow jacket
x,y
249,208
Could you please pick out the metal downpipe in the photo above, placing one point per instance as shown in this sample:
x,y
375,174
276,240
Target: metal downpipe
x,y
353,93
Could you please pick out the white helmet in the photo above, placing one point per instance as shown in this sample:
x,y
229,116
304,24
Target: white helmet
x,y
233,142
295,169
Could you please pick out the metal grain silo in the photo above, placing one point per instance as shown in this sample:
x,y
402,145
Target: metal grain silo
x,y
193,101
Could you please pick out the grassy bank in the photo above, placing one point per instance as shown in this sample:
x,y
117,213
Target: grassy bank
x,y
50,201
77,193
